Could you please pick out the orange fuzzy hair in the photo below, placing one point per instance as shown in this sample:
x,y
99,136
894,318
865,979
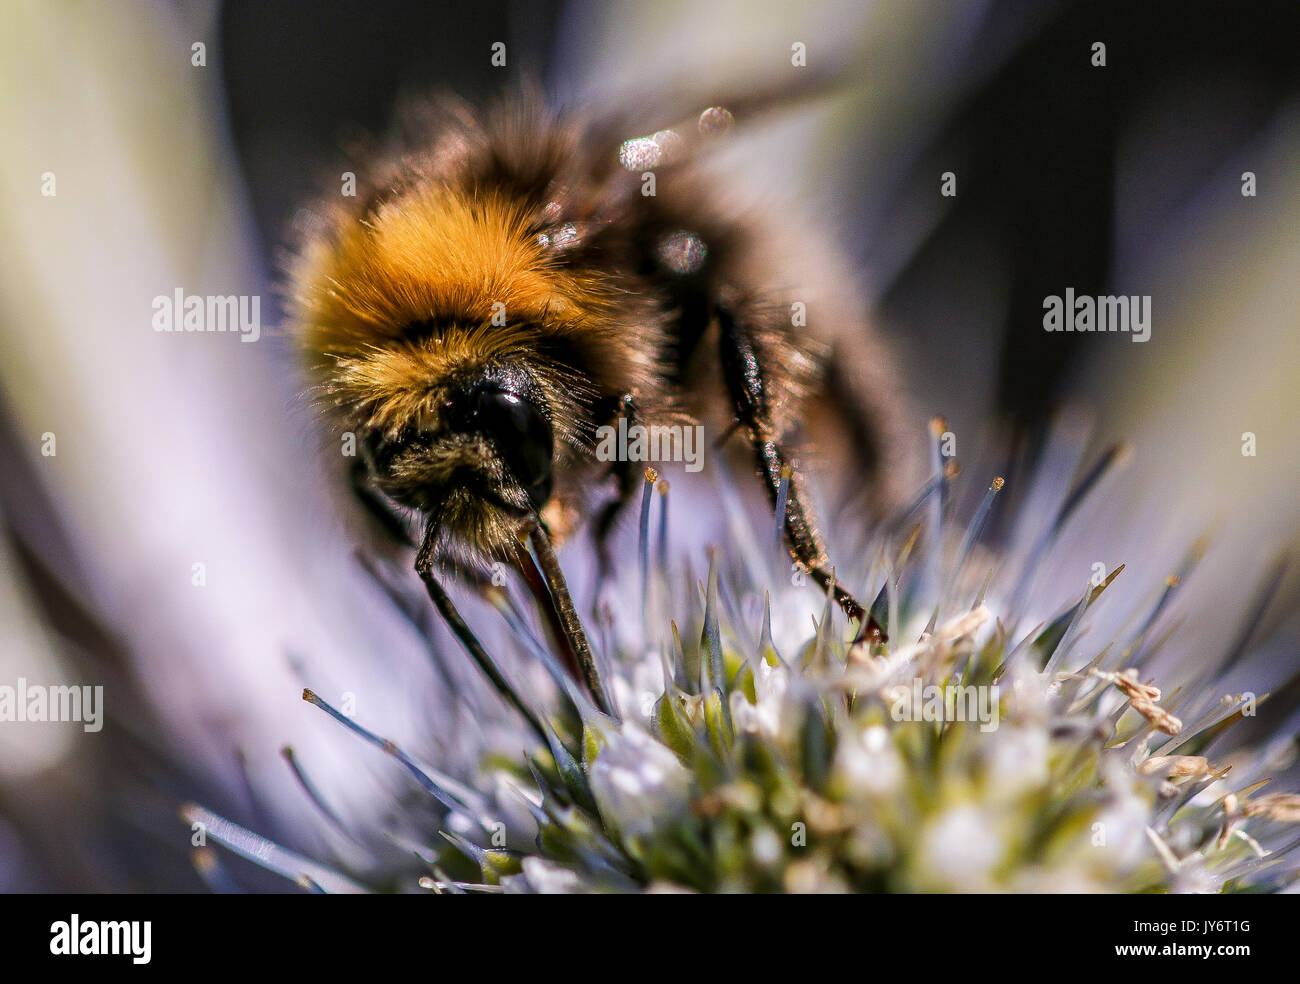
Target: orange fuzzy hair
x,y
437,256
397,300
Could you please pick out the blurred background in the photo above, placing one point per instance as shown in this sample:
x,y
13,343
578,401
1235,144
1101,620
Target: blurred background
x,y
184,547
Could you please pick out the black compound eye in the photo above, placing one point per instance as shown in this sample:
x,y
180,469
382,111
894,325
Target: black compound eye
x,y
521,434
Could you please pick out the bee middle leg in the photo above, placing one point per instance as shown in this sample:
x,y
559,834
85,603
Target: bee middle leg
x,y
746,384
626,473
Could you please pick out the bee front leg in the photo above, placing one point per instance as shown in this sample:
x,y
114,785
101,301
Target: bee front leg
x,y
746,384
424,563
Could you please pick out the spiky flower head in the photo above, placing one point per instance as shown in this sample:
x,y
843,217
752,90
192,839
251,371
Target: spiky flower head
x,y
757,744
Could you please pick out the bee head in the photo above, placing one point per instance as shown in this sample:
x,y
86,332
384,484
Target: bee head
x,y
514,425
483,446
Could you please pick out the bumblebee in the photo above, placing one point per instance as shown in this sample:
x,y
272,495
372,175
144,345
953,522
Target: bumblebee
x,y
516,279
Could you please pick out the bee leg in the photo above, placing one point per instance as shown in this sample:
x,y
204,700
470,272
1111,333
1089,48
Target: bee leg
x,y
746,385
451,615
536,584
568,614
626,473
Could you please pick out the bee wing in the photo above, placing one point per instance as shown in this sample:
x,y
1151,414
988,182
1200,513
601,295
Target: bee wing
x,y
680,110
